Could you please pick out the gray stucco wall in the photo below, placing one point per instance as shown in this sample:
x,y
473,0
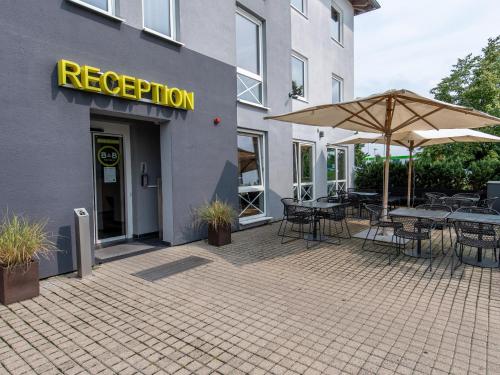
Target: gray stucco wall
x,y
45,145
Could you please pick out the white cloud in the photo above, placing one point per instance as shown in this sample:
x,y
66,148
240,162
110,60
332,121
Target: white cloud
x,y
413,45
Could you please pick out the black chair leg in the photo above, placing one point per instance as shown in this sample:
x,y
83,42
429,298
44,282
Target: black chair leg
x,y
281,224
347,229
366,238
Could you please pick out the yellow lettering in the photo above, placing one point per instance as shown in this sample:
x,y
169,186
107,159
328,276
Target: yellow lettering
x,y
155,92
105,87
188,100
174,97
88,78
68,70
127,83
141,86
164,94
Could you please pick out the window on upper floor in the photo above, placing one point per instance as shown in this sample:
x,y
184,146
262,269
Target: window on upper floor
x,y
299,76
249,59
299,5
336,24
159,17
102,6
337,89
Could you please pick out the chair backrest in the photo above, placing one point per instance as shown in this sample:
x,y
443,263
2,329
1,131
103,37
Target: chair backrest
x,y
375,212
287,202
488,202
456,202
478,210
410,224
435,207
433,198
477,234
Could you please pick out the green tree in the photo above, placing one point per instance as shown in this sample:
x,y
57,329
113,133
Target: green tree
x,y
359,155
474,82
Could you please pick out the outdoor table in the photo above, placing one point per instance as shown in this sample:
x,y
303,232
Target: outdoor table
x,y
475,218
419,214
473,199
317,206
364,193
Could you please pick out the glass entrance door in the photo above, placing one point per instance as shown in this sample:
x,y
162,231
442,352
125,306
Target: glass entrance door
x,y
109,187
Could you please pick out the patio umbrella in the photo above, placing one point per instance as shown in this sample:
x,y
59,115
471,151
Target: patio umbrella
x,y
420,138
389,113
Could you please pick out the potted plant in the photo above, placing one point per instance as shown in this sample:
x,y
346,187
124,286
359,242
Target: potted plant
x,y
22,242
219,216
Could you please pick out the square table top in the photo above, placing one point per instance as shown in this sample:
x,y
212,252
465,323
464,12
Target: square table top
x,y
475,218
363,193
420,213
318,205
473,199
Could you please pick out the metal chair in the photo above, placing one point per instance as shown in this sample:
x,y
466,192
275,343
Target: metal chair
x,y
415,229
475,235
489,202
440,224
329,199
377,222
336,215
434,197
285,202
301,216
456,202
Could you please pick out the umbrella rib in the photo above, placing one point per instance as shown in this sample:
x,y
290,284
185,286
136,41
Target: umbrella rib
x,y
356,114
451,107
421,143
416,117
420,117
350,117
401,144
359,123
370,114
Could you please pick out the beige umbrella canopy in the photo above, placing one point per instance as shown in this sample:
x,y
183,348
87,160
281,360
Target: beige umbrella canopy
x,y
419,138
389,113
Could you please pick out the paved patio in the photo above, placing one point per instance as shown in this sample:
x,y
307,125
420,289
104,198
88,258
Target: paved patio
x,y
260,307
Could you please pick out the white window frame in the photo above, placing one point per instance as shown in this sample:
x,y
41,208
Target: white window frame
x,y
304,12
111,12
299,184
306,74
257,188
245,72
333,185
341,21
173,23
340,80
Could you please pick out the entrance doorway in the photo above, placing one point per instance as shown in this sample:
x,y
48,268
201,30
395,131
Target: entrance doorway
x,y
109,179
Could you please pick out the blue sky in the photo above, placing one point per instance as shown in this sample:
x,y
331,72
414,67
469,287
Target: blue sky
x,y
413,44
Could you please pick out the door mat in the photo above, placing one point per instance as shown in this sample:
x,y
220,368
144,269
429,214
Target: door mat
x,y
172,268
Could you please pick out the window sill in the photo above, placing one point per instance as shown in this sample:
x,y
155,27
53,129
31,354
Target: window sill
x,y
256,220
253,104
162,36
301,99
96,10
299,12
340,44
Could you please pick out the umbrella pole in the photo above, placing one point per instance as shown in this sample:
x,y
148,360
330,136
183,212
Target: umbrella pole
x,y
386,173
410,171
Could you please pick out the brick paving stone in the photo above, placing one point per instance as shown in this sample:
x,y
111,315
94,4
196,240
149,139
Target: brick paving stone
x,y
261,307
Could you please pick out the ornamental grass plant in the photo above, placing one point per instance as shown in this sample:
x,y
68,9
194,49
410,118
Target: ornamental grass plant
x,y
22,241
217,214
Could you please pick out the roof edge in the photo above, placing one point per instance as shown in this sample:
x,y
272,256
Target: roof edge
x,y
364,6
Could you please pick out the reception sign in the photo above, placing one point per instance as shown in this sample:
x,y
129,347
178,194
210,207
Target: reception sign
x,y
91,79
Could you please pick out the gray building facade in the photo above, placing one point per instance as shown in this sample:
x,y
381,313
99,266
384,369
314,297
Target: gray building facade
x,y
139,167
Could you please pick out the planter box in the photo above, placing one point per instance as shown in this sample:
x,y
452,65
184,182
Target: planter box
x,y
19,283
220,236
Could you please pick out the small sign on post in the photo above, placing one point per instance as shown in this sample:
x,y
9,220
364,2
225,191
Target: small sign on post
x,y
83,249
